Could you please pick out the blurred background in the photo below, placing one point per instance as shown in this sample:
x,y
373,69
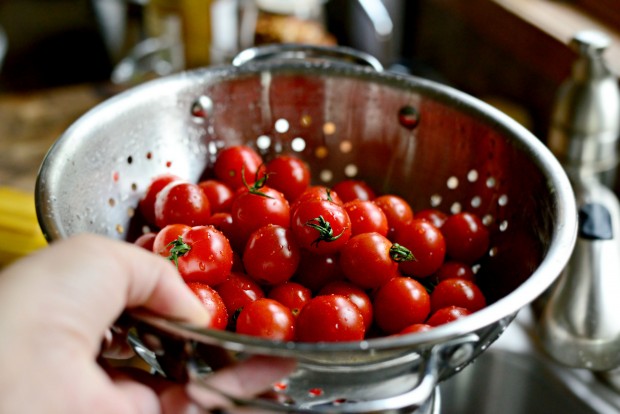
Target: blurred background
x,y
59,58
512,52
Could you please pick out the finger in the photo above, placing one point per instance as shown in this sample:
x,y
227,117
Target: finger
x,y
243,380
142,398
93,279
172,397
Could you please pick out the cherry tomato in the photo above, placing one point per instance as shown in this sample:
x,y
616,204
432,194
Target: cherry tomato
x,y
146,205
213,302
330,318
399,303
397,211
415,328
232,161
366,217
427,245
223,222
266,318
467,238
292,295
317,192
146,240
349,190
253,208
316,270
436,217
181,203
446,315
321,226
218,193
355,294
288,174
237,291
453,269
457,292
271,255
202,254
369,259
166,236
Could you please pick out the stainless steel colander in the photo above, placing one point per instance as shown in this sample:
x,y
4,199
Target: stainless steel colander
x,y
433,145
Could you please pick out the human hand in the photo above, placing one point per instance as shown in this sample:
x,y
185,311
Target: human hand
x,y
55,307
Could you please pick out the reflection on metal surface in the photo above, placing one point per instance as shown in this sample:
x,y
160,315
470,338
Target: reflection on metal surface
x,y
3,45
515,377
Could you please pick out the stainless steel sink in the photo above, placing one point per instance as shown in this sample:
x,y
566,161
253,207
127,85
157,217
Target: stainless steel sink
x,y
514,377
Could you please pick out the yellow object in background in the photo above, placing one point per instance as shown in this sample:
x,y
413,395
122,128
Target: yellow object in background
x,y
184,22
20,233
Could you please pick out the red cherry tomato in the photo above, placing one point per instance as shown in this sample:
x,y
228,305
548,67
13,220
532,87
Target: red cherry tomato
x,y
292,295
316,270
223,222
266,318
271,255
213,302
397,211
288,174
321,226
167,235
366,217
427,245
201,253
235,164
446,315
467,238
181,202
457,292
356,294
349,190
237,291
436,217
146,205
219,195
369,260
256,207
399,303
415,328
452,269
146,240
330,318
317,192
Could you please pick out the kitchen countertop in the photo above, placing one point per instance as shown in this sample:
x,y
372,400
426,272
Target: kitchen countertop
x,y
29,125
31,122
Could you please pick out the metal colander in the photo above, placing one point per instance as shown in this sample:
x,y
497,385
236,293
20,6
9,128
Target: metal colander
x,y
432,145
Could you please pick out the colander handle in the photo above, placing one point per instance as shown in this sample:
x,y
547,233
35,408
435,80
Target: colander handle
x,y
307,52
181,356
450,354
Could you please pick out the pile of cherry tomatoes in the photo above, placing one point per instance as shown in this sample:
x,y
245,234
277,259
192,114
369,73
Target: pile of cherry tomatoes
x,y
273,256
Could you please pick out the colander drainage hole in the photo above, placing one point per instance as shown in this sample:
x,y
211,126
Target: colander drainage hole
x,y
408,117
315,392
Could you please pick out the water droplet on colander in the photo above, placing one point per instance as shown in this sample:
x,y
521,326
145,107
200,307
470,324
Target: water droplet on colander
x,y
408,117
202,108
